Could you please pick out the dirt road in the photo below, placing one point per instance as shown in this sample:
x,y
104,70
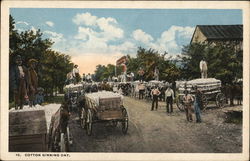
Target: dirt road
x,y
155,131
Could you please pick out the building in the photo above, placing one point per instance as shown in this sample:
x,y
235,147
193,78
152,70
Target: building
x,y
214,34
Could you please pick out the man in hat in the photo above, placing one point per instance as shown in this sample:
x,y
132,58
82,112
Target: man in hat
x,y
83,77
198,104
89,78
188,100
76,74
19,82
155,94
33,81
169,97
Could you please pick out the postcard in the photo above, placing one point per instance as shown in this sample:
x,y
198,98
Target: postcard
x,y
125,80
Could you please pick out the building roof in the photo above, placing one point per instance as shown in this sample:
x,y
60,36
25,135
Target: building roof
x,y
222,32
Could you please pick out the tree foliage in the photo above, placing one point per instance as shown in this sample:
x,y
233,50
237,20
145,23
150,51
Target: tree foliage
x,y
224,62
148,60
52,66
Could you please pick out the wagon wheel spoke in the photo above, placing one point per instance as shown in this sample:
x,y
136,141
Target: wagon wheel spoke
x,y
62,143
83,118
89,122
124,121
179,103
204,102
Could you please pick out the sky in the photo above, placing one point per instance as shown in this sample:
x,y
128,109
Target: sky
x,y
101,36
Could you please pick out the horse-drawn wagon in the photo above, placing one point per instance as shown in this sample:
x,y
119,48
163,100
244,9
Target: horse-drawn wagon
x,y
59,133
103,106
210,87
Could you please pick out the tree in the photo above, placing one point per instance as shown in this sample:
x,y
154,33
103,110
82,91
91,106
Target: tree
x,y
52,66
224,63
149,60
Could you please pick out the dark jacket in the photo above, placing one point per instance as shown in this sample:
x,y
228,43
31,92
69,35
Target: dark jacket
x,y
15,76
198,97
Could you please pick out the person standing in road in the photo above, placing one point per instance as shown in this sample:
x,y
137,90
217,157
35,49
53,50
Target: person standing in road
x,y
169,97
198,104
141,88
155,93
33,82
188,100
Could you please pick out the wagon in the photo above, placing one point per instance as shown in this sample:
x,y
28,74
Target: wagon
x,y
59,134
210,88
103,106
72,92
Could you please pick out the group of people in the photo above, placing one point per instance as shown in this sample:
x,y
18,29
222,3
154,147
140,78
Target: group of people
x,y
188,100
24,83
74,76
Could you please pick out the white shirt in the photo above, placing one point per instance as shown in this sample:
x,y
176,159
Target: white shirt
x,y
20,68
203,65
75,70
88,77
169,92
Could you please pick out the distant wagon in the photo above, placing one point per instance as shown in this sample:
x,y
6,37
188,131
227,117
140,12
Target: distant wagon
x,y
210,87
72,92
103,106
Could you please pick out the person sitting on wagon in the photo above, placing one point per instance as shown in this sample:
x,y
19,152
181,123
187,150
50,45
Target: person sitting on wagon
x,y
76,74
187,100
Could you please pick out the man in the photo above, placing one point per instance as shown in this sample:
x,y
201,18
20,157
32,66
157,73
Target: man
x,y
141,88
18,82
132,75
197,104
76,74
169,97
155,93
33,82
105,86
187,100
141,74
203,68
88,77
124,72
83,77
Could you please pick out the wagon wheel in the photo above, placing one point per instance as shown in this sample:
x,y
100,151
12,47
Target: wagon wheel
x,y
220,100
62,143
124,121
204,102
179,103
89,122
83,118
